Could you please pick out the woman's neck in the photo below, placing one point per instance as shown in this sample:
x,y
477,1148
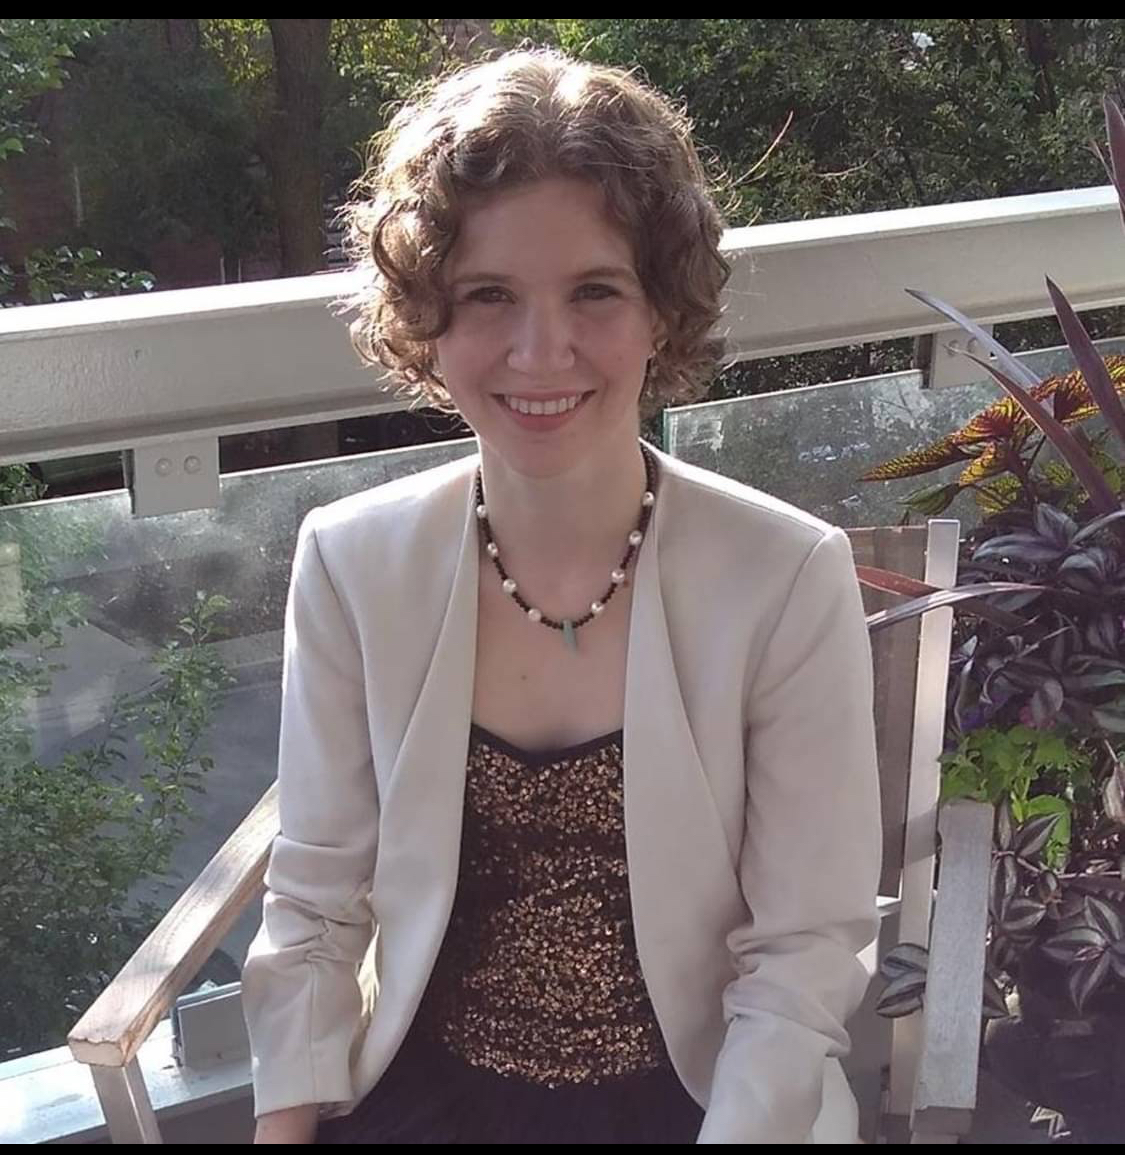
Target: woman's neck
x,y
558,533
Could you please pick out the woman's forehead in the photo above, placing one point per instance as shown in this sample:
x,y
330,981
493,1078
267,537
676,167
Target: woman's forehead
x,y
559,225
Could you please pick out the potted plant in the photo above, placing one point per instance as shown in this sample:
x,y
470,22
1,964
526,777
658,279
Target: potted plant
x,y
1036,710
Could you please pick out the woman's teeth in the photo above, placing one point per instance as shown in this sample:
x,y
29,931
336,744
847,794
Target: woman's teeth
x,y
545,407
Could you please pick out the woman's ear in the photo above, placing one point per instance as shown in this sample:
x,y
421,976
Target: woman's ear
x,y
659,332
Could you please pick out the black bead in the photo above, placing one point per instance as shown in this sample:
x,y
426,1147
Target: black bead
x,y
642,525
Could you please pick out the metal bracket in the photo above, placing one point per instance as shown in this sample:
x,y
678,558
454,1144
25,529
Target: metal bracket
x,y
173,476
208,1027
940,355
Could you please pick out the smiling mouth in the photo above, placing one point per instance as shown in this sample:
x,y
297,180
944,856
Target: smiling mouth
x,y
502,400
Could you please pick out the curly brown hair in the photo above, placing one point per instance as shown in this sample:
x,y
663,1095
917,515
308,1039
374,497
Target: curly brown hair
x,y
529,115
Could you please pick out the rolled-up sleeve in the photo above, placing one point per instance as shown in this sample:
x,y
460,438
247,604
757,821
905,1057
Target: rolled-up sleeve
x,y
809,866
300,983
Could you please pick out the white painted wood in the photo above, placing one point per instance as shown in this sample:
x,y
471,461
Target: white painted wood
x,y
803,285
946,1091
49,1097
123,372
125,1104
925,789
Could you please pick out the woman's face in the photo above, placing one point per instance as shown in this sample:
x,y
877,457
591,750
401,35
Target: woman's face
x,y
546,305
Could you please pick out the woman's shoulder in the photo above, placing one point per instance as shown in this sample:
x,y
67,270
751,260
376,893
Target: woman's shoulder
x,y
396,532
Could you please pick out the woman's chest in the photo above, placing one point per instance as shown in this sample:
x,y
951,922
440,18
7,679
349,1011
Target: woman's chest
x,y
531,688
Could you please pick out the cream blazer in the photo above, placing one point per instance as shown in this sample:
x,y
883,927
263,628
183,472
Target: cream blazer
x,y
751,795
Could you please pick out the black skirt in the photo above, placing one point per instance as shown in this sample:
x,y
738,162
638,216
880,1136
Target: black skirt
x,y
428,1095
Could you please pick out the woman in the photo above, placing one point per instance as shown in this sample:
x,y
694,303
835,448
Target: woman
x,y
577,756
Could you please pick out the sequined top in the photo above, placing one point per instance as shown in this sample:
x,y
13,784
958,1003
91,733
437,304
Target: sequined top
x,y
538,975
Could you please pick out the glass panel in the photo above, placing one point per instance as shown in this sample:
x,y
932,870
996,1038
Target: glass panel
x,y
809,446
112,590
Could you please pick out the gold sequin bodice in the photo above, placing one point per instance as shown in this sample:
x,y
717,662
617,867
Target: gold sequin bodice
x,y
538,975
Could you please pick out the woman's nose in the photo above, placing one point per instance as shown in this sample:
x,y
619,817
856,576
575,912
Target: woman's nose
x,y
542,341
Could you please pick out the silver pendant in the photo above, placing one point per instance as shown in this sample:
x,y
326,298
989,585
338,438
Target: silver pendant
x,y
569,635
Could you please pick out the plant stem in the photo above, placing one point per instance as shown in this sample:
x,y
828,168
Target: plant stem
x,y
1016,464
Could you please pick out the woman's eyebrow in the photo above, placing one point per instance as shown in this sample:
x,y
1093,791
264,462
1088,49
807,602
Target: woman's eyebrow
x,y
621,272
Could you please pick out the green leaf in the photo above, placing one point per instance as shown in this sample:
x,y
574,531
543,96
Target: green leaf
x,y
1103,498
932,500
903,996
993,1004
1094,371
1070,944
1058,842
1105,918
905,958
1085,978
1022,915
1111,717
1033,835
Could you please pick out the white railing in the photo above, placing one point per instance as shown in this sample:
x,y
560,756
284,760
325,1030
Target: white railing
x,y
166,374
122,372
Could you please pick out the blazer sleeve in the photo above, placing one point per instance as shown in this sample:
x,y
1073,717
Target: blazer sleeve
x,y
300,984
810,860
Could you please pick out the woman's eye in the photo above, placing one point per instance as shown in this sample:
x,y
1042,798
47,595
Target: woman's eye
x,y
597,292
495,294
489,295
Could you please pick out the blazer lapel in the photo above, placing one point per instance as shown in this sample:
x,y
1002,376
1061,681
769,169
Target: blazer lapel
x,y
679,865
416,872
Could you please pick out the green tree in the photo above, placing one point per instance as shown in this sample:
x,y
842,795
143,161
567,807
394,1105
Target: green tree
x,y
34,58
165,145
75,836
885,114
240,130
315,91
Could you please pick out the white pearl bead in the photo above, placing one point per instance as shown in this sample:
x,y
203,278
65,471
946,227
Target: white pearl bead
x,y
493,549
617,577
636,537
482,510
596,607
648,498
535,615
509,585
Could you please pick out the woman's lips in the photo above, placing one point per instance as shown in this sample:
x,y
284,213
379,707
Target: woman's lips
x,y
541,422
